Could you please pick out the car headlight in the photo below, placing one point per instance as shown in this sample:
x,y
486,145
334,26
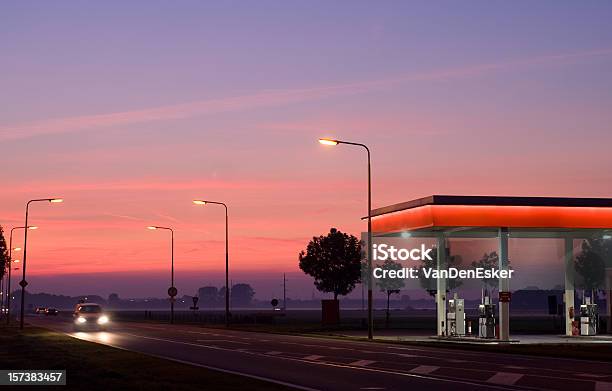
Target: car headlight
x,y
103,319
80,319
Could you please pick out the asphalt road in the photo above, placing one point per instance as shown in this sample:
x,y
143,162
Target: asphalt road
x,y
312,363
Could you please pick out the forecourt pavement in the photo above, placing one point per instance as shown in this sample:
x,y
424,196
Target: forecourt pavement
x,y
313,363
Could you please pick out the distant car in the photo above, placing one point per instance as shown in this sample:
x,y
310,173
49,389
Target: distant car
x,y
40,310
51,311
88,316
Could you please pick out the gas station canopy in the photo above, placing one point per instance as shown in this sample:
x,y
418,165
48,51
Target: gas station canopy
x,y
532,216
445,216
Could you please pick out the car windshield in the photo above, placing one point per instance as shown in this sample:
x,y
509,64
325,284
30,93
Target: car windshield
x,y
90,309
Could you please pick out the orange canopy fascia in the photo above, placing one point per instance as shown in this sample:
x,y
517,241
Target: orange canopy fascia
x,y
512,216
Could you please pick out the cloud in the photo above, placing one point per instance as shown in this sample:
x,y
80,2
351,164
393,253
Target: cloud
x,y
271,98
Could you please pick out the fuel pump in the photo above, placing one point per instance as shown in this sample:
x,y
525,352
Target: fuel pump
x,y
455,318
589,317
486,320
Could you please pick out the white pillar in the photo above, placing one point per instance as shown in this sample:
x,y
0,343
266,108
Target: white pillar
x,y
504,286
609,298
441,287
568,297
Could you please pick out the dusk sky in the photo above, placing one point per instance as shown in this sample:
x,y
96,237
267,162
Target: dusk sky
x,y
129,112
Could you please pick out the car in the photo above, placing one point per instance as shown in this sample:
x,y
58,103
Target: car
x,y
52,311
90,316
40,310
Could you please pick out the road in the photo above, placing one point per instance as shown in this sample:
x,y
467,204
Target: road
x,y
312,363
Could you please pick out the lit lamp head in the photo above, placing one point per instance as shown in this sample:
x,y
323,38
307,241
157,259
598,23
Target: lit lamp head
x,y
17,249
56,200
16,261
32,227
200,202
151,227
328,141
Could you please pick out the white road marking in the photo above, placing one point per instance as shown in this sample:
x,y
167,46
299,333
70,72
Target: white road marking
x,y
263,378
366,369
505,378
362,363
222,340
154,327
603,386
205,333
405,355
513,367
313,357
424,369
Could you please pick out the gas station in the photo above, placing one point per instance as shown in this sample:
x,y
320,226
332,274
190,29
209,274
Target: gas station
x,y
443,217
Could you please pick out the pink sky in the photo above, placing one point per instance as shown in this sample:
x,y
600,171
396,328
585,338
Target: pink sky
x,y
130,124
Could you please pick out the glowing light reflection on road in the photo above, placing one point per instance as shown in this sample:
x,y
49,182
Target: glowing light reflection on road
x,y
100,336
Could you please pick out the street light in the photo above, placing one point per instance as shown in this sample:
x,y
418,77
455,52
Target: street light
x,y
8,287
172,291
329,141
227,289
23,281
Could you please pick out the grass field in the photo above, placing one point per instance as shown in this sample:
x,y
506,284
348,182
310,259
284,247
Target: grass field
x,y
93,366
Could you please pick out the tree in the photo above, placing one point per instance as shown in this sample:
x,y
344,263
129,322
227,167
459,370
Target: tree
x,y
241,295
489,261
429,284
390,285
334,261
113,300
4,254
591,264
209,296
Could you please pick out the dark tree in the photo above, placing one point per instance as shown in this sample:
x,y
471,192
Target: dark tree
x,y
429,284
113,300
4,254
242,295
334,261
489,261
388,285
591,264
209,296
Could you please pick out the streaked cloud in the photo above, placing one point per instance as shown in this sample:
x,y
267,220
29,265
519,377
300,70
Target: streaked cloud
x,y
272,98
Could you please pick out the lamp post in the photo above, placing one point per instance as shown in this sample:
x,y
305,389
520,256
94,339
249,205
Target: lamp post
x,y
8,283
227,289
23,281
327,141
172,291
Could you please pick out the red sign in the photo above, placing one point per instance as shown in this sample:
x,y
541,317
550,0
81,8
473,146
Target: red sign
x,y
504,297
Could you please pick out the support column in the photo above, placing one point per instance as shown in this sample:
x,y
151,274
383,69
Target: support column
x,y
504,286
441,286
609,299
568,296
